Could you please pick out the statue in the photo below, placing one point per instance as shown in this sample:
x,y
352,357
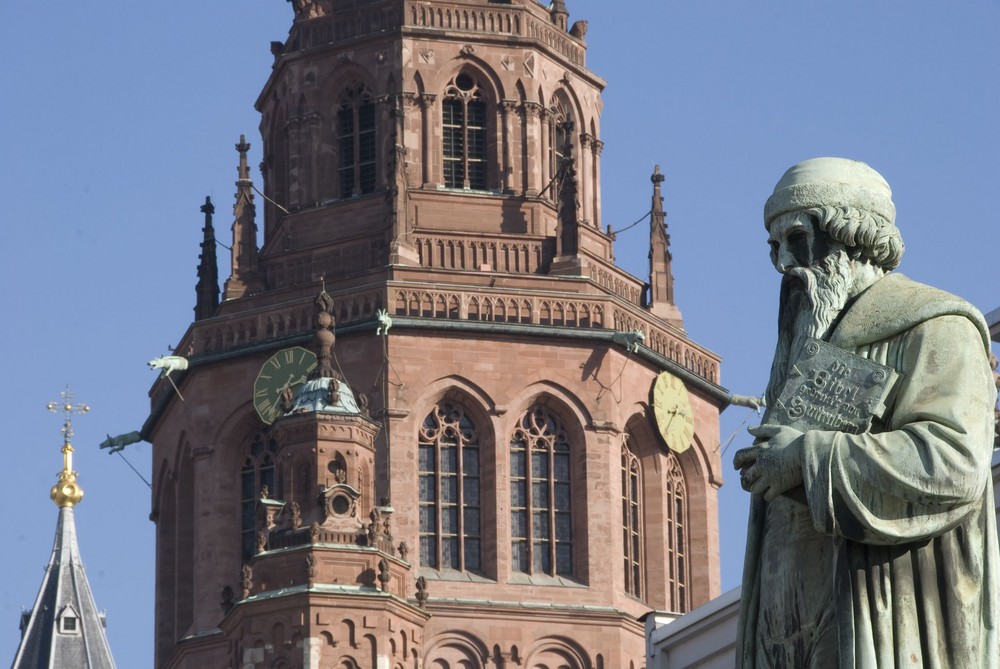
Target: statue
x,y
874,546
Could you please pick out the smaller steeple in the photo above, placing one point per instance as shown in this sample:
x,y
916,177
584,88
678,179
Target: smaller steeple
x,y
207,288
64,627
559,13
661,279
244,278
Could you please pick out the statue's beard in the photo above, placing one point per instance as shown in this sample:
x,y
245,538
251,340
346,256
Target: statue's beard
x,y
811,300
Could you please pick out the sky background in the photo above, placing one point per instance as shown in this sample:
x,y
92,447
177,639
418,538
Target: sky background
x,y
119,118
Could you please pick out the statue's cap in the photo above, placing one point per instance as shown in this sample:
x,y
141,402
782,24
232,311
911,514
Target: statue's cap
x,y
839,182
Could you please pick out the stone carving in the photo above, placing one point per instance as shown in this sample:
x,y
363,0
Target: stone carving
x,y
314,533
310,566
384,322
333,393
227,599
169,364
421,584
246,580
630,340
311,9
579,29
261,540
383,574
870,536
363,404
373,527
404,549
115,444
296,513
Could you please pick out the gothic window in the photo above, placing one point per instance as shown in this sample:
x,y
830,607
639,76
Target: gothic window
x,y
541,516
675,498
632,521
464,121
356,142
448,454
257,473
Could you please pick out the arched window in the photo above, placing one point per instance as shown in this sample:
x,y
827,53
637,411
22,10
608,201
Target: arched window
x,y
448,461
257,473
632,520
464,125
675,499
356,142
541,515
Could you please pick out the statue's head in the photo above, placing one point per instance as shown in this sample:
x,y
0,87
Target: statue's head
x,y
824,205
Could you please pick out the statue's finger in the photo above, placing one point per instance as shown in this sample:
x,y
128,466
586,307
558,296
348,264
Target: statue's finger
x,y
745,457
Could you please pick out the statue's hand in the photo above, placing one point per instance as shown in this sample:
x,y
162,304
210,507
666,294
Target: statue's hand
x,y
773,465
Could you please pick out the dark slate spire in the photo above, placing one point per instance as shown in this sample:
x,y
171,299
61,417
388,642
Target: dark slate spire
x,y
661,279
207,288
64,627
244,278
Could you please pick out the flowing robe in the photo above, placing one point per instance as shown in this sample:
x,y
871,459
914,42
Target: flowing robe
x,y
908,506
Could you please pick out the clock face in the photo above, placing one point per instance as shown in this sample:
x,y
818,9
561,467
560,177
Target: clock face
x,y
288,368
672,408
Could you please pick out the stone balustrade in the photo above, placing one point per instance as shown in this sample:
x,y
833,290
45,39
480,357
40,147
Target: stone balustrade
x,y
559,310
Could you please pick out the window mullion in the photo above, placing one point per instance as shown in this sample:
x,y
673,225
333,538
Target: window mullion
x,y
460,494
552,509
438,507
465,144
356,168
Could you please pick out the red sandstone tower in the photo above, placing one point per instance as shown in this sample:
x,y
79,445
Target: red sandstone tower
x,y
418,428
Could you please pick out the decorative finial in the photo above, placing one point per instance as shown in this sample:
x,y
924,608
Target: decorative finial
x,y
66,493
244,168
324,338
657,177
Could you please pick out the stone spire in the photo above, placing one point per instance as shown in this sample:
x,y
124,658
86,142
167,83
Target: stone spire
x,y
567,197
64,627
661,279
207,288
559,13
244,278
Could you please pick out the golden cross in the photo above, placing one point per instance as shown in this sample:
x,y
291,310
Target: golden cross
x,y
66,493
68,409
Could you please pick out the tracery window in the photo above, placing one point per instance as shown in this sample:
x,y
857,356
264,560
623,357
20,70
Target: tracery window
x,y
356,142
448,464
675,498
632,521
541,515
464,125
257,473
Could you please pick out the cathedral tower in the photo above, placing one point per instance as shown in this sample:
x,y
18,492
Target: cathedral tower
x,y
419,428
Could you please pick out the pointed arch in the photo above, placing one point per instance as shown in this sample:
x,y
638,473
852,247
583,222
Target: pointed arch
x,y
547,453
455,465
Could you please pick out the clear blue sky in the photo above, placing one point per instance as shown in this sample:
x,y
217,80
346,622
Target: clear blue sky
x,y
119,118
